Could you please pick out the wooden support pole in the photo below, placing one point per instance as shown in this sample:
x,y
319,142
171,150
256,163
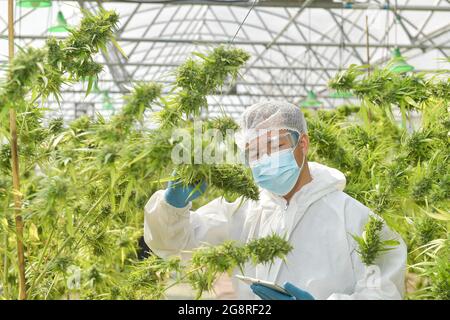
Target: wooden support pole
x,y
15,167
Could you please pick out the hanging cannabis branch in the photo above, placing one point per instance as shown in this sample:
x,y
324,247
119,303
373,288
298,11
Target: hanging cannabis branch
x,y
43,71
150,279
384,87
195,79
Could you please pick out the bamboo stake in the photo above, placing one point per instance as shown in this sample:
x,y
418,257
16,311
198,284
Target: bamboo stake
x,y
5,265
5,254
15,166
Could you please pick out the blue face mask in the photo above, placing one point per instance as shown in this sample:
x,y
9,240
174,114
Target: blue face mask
x,y
277,173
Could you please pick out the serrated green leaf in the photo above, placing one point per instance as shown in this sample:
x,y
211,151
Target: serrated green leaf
x,y
90,85
118,47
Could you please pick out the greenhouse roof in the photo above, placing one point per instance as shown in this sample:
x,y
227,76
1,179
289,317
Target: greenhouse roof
x,y
296,46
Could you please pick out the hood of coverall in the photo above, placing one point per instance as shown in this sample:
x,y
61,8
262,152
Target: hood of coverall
x,y
276,217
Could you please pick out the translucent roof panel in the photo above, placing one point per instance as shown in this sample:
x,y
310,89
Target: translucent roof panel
x,y
296,46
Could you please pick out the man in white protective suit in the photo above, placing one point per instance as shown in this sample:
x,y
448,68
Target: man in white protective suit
x,y
298,199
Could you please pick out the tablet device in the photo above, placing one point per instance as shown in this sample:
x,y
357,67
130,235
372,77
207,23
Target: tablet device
x,y
268,284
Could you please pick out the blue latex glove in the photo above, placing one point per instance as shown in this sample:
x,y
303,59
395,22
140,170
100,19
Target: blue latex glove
x,y
265,293
179,196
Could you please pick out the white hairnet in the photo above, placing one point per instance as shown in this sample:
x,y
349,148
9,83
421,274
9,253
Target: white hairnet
x,y
269,115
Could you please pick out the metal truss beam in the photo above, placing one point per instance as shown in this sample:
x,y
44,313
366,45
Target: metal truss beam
x,y
242,95
420,45
250,83
325,4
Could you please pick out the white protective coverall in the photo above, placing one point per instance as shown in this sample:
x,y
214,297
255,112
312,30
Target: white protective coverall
x,y
318,222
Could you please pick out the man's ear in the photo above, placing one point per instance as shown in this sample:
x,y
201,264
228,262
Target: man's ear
x,y
304,143
301,151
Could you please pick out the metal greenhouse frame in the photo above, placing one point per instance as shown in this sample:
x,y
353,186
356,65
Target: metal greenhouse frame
x,y
296,45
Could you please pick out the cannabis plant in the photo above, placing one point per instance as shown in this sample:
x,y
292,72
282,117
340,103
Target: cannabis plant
x,y
370,244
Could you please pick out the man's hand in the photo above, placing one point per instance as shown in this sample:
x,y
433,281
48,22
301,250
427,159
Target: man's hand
x,y
265,293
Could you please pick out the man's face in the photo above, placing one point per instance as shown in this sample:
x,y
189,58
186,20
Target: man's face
x,y
270,143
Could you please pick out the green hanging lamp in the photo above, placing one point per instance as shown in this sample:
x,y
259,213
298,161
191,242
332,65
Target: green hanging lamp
x,y
34,4
61,24
398,64
311,100
107,104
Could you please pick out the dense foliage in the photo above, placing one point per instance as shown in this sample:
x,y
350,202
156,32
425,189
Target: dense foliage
x,y
84,184
398,168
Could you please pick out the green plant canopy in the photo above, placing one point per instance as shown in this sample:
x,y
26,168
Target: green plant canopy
x,y
61,24
398,64
341,95
311,100
34,4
